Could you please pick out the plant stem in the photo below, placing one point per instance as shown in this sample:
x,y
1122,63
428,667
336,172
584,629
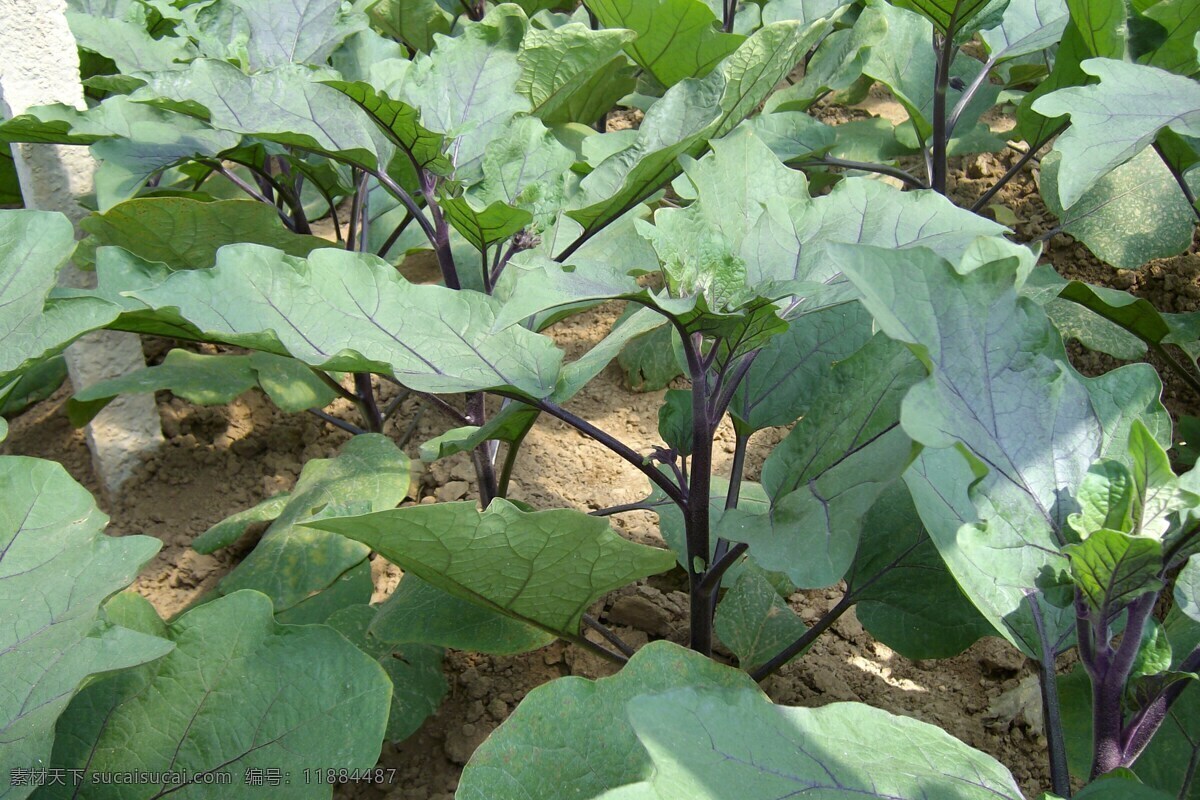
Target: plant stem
x,y
730,9
623,508
441,233
1179,179
606,632
395,235
366,402
352,236
1060,772
1014,169
723,556
335,422
941,136
805,641
510,461
338,389
642,463
882,169
1108,690
1178,368
967,95
696,514
485,470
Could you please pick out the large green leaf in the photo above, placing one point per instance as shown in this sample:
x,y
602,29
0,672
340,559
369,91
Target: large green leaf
x,y
1112,569
186,234
552,564
419,612
467,87
353,312
1027,26
676,39
62,124
413,22
210,380
294,562
126,165
1114,120
295,31
572,736
288,104
56,569
791,367
949,16
418,684
401,122
573,73
1000,387
1177,52
828,472
129,44
687,117
1129,216
238,693
34,246
904,594
673,724
705,741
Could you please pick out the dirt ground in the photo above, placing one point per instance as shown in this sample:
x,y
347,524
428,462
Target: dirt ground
x,y
221,460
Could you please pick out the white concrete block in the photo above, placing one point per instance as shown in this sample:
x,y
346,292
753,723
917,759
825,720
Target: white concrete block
x,y
39,65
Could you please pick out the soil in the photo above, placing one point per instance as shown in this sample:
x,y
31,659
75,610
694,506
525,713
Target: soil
x,y
220,460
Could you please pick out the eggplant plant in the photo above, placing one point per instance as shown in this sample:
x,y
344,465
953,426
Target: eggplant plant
x,y
946,469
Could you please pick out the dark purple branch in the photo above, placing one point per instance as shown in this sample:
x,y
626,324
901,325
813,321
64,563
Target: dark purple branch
x,y
1060,772
805,641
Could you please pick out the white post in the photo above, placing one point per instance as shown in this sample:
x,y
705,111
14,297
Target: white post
x,y
39,65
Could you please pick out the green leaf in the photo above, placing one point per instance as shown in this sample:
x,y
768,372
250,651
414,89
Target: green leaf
x,y
1187,589
1109,788
128,44
1028,26
401,122
354,587
210,380
836,65
238,692
828,472
754,622
34,246
1127,217
420,613
791,135
33,386
649,361
701,739
56,569
230,529
676,39
1178,51
483,227
904,594
186,234
63,124
790,369
1114,120
418,685
689,115
1112,569
293,562
288,105
572,73
574,732
949,16
290,32
803,10
1000,387
675,421
413,22
1134,314
1157,492
432,338
467,87
1103,25
555,564
1105,497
